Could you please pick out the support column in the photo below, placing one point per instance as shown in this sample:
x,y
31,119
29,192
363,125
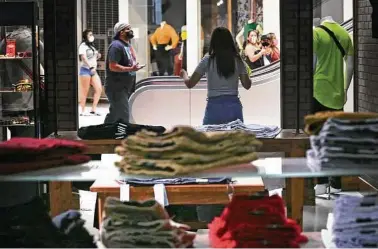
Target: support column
x,y
123,10
193,24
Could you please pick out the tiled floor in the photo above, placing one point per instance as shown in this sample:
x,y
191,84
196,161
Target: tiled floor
x,y
102,108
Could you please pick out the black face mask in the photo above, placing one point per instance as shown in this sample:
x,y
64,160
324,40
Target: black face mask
x,y
130,35
265,44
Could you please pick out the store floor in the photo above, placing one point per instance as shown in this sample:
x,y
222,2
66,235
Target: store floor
x,y
102,108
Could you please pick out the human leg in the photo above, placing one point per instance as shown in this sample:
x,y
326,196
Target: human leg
x,y
97,86
84,81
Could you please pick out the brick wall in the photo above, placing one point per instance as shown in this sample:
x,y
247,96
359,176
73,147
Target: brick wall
x,y
66,50
366,67
289,60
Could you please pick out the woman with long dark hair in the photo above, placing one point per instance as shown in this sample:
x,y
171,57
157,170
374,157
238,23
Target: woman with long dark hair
x,y
224,68
88,76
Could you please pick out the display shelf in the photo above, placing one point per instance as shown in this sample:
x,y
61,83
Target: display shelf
x,y
268,168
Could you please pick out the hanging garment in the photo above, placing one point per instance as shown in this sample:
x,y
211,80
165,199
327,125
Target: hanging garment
x,y
118,130
164,36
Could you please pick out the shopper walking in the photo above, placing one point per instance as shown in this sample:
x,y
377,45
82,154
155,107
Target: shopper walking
x,y
121,68
88,76
224,68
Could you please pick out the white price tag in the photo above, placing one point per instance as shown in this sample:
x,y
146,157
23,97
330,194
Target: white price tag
x,y
124,192
201,180
161,194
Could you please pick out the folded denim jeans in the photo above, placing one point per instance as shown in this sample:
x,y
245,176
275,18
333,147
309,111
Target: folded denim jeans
x,y
178,181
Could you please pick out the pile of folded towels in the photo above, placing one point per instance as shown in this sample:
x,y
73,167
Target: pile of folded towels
x,y
353,224
117,130
343,143
141,225
255,222
19,155
261,131
184,150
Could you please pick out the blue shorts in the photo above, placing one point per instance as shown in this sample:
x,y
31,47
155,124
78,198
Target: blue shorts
x,y
85,72
222,110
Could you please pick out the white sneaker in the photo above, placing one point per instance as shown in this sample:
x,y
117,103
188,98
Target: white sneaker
x,y
321,189
334,190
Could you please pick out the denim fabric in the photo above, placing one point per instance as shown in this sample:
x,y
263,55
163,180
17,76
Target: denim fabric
x,y
177,181
29,225
222,110
261,131
85,72
119,106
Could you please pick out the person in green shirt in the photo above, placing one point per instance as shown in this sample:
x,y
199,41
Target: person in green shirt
x,y
331,79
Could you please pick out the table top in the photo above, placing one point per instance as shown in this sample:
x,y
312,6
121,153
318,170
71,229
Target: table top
x,y
269,168
315,240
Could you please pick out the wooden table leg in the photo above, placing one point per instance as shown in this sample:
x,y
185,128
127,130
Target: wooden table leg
x,y
295,198
60,197
101,202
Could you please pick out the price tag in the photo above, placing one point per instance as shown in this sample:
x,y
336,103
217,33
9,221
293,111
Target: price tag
x,y
161,194
125,192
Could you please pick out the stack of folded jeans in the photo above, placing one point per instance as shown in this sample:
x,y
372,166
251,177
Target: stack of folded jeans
x,y
343,143
261,131
185,150
25,154
141,225
116,130
314,122
354,223
251,222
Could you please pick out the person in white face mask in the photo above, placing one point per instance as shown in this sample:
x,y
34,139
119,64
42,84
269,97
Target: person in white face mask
x,y
88,56
253,51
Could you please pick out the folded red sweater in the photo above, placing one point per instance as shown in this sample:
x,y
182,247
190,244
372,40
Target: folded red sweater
x,y
25,154
32,149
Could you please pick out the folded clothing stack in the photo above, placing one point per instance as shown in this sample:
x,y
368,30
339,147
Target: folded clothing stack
x,y
261,131
344,143
24,154
177,181
250,222
354,223
141,225
116,130
314,122
184,150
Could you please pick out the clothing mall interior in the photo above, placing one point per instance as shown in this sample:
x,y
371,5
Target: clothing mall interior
x,y
164,174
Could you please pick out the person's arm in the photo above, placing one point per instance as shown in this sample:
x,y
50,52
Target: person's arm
x,y
240,39
250,52
200,71
114,57
243,74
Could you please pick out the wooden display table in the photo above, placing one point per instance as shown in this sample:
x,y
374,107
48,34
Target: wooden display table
x,y
196,194
287,142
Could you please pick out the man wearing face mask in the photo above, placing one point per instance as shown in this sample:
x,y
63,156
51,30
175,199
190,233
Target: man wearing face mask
x,y
121,68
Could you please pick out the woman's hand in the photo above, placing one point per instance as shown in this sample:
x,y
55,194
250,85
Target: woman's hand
x,y
183,74
93,71
98,56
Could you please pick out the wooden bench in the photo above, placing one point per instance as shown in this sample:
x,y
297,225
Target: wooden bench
x,y
287,142
196,194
